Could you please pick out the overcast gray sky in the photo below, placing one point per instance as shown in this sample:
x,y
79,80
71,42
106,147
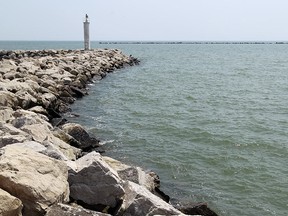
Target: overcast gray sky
x,y
189,20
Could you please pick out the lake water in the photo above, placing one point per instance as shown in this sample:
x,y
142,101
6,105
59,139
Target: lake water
x,y
210,119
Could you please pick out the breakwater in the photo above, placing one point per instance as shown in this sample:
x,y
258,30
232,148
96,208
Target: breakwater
x,y
47,163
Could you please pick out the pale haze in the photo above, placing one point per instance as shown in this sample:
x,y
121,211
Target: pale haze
x,y
134,20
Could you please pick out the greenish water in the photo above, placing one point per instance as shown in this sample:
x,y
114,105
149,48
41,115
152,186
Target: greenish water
x,y
210,119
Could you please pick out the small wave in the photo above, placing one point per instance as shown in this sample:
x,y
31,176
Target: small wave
x,y
106,142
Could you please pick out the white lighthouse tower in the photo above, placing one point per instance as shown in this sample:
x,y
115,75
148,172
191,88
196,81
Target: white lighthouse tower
x,y
86,33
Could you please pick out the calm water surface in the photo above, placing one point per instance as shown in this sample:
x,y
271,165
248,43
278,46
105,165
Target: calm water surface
x,y
211,120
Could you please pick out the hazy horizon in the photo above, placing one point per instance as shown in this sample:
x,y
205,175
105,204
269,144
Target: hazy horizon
x,y
161,20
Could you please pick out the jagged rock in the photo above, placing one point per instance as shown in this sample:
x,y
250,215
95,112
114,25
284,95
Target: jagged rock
x,y
95,183
81,135
26,116
35,126
133,173
9,134
9,205
148,179
39,110
37,180
10,139
140,201
25,99
41,133
6,113
57,132
68,210
8,99
48,99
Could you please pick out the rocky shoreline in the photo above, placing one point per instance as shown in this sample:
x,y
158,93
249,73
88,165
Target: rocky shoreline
x,y
49,166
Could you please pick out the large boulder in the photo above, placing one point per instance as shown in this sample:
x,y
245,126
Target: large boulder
x,y
139,200
44,148
61,209
9,205
25,117
95,183
37,180
81,135
133,173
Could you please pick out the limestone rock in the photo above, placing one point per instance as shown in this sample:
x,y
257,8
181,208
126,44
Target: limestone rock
x,y
8,99
25,99
6,114
94,182
46,148
68,210
41,133
140,201
9,205
37,180
32,145
31,118
133,173
10,139
39,110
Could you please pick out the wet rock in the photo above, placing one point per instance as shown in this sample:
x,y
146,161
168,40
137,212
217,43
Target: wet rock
x,y
81,135
196,209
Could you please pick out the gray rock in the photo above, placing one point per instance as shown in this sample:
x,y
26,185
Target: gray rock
x,y
10,139
8,99
6,113
94,182
140,201
68,210
135,174
81,135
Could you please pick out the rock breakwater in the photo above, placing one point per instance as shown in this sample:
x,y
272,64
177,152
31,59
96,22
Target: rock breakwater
x,y
49,166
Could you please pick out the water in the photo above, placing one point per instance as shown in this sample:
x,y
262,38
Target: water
x,y
210,119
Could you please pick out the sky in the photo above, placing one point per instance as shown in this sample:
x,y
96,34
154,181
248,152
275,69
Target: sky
x,y
145,20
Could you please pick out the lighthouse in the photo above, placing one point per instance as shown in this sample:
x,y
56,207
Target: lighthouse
x,y
86,33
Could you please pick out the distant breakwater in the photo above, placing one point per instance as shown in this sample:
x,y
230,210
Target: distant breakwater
x,y
194,42
49,166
